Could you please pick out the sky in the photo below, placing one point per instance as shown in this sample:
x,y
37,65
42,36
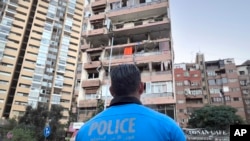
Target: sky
x,y
219,29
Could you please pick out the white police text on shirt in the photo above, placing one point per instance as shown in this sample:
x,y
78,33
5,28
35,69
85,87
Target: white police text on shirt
x,y
109,127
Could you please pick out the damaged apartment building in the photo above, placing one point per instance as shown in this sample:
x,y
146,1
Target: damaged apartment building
x,y
126,31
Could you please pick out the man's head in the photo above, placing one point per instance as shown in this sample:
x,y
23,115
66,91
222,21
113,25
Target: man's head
x,y
126,81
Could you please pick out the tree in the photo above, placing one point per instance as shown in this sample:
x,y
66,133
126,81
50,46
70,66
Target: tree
x,y
22,134
100,106
214,117
36,119
57,129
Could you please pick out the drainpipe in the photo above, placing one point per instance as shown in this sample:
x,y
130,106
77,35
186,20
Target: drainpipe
x,y
110,55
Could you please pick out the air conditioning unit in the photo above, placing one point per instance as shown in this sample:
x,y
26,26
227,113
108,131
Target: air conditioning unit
x,y
98,96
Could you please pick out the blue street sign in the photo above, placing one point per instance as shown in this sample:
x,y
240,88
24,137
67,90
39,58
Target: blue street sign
x,y
46,131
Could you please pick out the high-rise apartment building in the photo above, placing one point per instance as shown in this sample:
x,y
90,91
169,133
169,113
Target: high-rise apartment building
x,y
206,82
39,46
244,78
126,31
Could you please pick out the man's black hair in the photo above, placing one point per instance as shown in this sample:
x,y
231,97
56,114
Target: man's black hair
x,y
125,79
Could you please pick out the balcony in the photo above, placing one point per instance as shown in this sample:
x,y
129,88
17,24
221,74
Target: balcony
x,y
161,98
138,58
156,76
97,17
95,32
84,47
91,65
142,27
91,83
98,3
87,103
135,11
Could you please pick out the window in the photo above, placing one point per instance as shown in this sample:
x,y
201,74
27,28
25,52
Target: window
x,y
211,73
180,101
234,89
159,87
216,99
196,92
195,75
224,80
243,82
232,80
179,83
242,72
178,75
231,71
5,73
218,81
55,99
211,82
179,92
227,98
186,74
186,82
2,91
181,110
194,83
214,91
4,82
236,99
245,91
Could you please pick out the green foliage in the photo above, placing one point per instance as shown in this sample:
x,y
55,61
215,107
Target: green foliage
x,y
100,106
57,129
6,126
22,134
36,119
214,117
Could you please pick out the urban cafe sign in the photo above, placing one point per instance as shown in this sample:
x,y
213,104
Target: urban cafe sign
x,y
200,134
204,132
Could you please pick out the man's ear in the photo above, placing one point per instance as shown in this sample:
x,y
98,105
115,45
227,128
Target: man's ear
x,y
111,91
141,88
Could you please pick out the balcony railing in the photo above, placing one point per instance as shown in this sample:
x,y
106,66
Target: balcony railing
x,y
135,55
158,95
133,5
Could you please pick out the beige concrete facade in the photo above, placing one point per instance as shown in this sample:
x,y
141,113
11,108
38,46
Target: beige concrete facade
x,y
40,56
110,28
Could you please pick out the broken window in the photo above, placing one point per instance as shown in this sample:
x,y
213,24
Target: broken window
x,y
93,74
115,5
124,3
94,56
143,67
156,66
97,24
142,1
119,26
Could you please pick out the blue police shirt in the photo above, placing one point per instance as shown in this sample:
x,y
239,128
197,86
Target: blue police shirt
x,y
130,122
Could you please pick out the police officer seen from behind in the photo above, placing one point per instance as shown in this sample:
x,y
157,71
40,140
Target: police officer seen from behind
x,y
127,119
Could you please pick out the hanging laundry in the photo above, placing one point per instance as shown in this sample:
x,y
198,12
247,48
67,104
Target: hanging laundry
x,y
128,51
